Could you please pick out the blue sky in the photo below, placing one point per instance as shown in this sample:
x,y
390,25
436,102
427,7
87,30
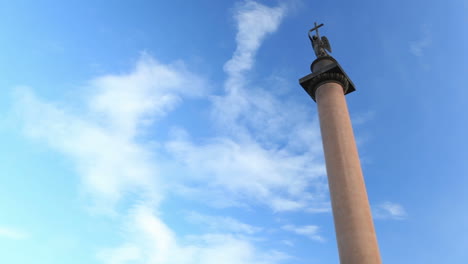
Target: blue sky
x,y
149,132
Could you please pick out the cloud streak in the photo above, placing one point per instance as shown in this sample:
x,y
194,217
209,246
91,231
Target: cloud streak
x,y
12,233
151,241
266,152
389,210
104,141
309,231
254,22
418,47
244,172
218,223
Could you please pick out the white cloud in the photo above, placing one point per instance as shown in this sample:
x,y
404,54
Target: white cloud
x,y
245,172
310,231
123,254
150,90
12,233
268,152
417,47
104,140
222,223
362,118
157,244
389,210
112,162
254,22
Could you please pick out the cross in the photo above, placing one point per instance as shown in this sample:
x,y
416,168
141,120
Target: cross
x,y
315,28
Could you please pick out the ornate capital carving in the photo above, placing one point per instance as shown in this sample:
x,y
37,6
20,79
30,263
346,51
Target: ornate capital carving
x,y
328,77
326,69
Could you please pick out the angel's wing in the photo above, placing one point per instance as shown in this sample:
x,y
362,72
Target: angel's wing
x,y
326,44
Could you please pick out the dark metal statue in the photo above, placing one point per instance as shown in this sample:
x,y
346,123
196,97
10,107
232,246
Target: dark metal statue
x,y
320,45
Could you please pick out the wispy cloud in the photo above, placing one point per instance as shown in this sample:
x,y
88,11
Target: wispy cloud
x,y
112,162
12,233
222,223
389,210
157,243
418,47
267,152
309,231
123,254
237,172
103,141
254,22
362,118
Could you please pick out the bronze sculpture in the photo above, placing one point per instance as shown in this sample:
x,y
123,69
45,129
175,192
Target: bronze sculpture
x,y
320,45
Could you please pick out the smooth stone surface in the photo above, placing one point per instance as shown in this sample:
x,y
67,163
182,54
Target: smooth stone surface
x,y
357,242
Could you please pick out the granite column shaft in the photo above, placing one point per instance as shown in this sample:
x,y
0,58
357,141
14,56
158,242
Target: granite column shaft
x,y
357,242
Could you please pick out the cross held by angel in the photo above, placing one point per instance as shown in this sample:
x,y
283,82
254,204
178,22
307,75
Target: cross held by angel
x,y
319,44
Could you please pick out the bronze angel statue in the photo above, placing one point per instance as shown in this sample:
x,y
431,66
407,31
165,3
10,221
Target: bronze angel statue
x,y
320,44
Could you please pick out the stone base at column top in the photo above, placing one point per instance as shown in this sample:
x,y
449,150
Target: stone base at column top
x,y
325,69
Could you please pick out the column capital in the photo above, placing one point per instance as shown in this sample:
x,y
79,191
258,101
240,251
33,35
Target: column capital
x,y
326,69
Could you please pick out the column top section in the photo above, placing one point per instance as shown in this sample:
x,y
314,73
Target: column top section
x,y
326,69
